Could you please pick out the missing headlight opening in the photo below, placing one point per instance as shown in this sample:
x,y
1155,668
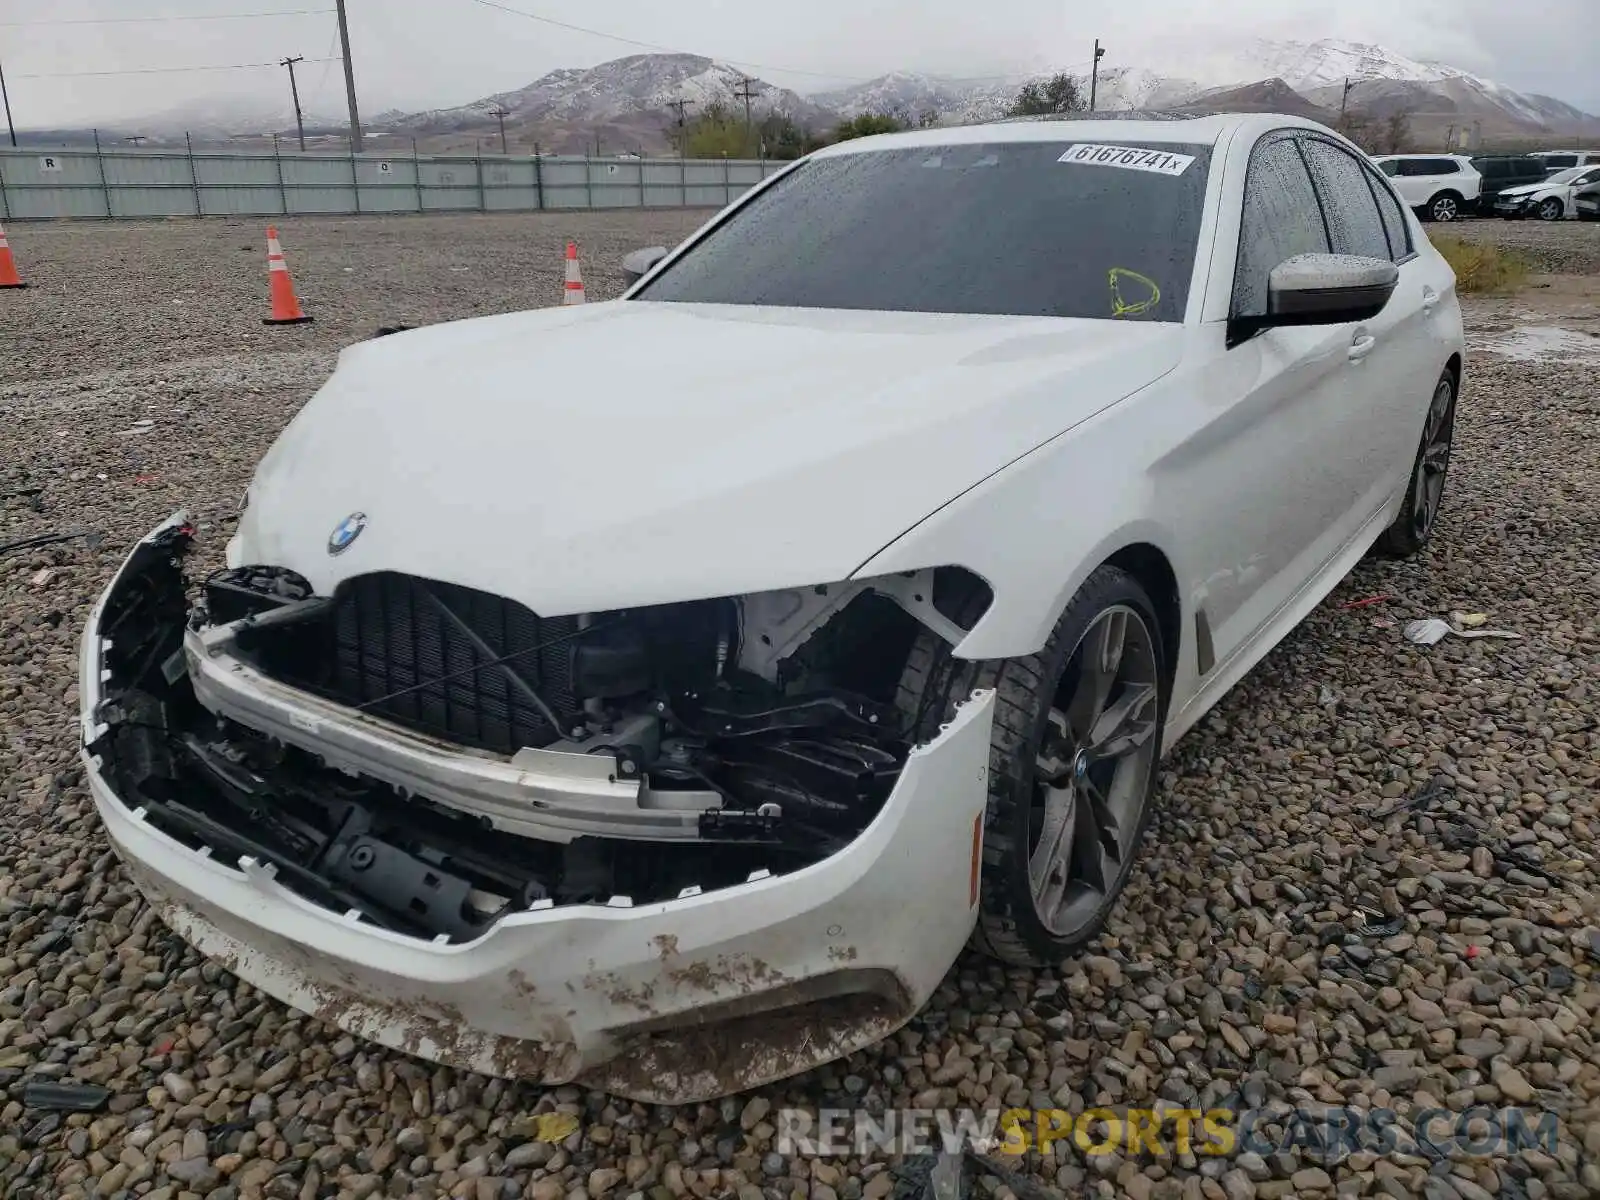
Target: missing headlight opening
x,y
428,758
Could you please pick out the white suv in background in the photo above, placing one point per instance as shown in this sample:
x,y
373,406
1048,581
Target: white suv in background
x,y
1441,187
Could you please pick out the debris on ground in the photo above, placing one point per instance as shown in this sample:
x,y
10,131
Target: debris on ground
x,y
43,576
1433,630
64,1097
950,1176
90,538
33,495
1434,789
1366,602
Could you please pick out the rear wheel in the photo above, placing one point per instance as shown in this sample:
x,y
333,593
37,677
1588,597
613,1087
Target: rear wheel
x,y
1425,493
1444,207
1076,739
1550,209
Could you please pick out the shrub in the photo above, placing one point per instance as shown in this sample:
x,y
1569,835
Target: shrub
x,y
1480,266
1058,94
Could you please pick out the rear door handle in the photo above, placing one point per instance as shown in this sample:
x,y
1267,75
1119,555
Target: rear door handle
x,y
1361,345
1430,300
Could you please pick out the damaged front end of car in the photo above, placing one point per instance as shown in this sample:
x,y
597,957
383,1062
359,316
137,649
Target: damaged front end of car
x,y
603,837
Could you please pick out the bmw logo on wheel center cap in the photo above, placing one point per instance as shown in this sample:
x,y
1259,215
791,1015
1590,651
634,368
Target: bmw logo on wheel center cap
x,y
346,532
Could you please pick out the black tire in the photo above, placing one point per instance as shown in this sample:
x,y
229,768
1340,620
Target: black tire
x,y
1446,206
1009,928
1413,527
1550,209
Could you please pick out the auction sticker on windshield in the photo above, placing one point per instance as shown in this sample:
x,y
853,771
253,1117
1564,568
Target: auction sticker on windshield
x,y
1129,158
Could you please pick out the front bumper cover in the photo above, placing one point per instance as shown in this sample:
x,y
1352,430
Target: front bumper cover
x,y
667,1002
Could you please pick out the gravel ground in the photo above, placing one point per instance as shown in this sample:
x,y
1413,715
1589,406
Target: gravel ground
x,y
1556,246
1241,964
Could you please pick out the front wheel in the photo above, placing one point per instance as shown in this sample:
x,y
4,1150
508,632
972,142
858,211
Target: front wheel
x,y
1446,207
1550,209
1077,735
1425,492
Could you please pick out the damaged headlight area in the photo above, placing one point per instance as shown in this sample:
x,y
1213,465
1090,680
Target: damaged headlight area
x,y
428,758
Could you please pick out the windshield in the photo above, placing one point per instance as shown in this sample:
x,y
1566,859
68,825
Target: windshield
x,y
1011,228
1566,176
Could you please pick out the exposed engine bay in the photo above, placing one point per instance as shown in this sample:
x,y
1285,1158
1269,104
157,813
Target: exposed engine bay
x,y
749,735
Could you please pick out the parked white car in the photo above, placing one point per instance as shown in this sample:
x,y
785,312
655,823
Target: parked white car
x,y
1552,200
1560,160
1440,187
906,514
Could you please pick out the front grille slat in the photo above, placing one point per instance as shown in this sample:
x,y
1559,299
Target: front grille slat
x,y
389,637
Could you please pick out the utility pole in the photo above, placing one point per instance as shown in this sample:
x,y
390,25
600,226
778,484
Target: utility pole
x,y
349,80
1094,72
746,91
294,90
1344,100
500,112
679,107
137,139
6,96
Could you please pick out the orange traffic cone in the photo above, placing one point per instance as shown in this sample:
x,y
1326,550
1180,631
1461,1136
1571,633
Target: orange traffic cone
x,y
285,307
574,290
8,267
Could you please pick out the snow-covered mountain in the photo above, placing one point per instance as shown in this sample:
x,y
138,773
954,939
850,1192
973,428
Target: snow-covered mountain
x,y
622,89
1177,74
626,103
1382,79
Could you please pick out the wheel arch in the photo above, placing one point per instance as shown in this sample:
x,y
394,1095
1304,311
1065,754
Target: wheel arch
x,y
1148,564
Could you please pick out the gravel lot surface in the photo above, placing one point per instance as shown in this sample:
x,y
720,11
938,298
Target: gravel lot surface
x,y
1295,933
1553,246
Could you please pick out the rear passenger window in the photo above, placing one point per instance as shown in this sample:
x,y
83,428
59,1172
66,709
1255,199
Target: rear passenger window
x,y
1354,224
1281,219
1394,219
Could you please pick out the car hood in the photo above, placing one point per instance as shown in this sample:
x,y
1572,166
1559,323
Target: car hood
x,y
1528,189
633,452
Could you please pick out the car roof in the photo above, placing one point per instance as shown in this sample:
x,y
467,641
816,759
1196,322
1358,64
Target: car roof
x,y
1423,154
1203,129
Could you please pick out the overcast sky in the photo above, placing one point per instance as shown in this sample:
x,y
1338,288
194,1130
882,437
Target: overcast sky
x,y
435,53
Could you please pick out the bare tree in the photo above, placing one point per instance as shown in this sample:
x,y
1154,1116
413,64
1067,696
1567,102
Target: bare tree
x,y
1396,136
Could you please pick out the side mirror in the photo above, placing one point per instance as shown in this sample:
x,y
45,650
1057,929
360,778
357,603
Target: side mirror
x,y
640,263
1321,289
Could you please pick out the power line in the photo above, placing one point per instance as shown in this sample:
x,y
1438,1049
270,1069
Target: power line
x,y
297,12
161,70
327,65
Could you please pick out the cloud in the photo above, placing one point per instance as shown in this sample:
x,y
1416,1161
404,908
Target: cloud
x,y
447,52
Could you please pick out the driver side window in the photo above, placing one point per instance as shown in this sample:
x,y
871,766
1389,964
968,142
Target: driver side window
x,y
1281,219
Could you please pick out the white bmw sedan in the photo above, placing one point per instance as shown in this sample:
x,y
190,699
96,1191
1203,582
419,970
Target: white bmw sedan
x,y
659,693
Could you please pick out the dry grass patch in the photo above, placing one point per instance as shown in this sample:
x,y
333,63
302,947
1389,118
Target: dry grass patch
x,y
1482,267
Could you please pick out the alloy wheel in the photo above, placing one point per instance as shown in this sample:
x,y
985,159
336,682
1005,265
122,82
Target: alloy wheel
x,y
1444,209
1093,771
1550,210
1435,461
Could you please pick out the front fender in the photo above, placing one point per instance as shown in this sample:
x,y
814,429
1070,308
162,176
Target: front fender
x,y
1035,531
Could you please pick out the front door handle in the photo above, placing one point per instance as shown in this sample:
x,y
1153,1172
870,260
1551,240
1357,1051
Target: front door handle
x,y
1361,345
1430,300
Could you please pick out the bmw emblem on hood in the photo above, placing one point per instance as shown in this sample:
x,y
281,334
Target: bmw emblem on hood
x,y
346,532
